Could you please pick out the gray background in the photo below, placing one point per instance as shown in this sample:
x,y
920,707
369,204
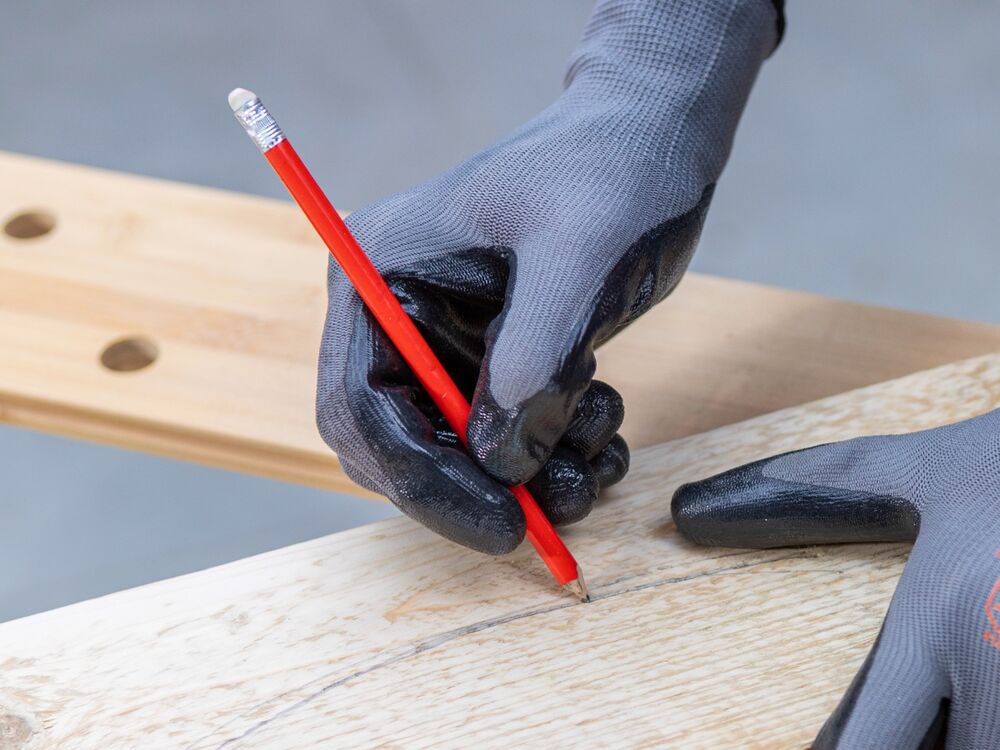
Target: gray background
x,y
865,168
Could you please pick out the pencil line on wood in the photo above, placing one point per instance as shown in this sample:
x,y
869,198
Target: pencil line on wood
x,y
442,638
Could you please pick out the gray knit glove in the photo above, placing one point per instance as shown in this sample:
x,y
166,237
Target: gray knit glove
x,y
518,262
932,679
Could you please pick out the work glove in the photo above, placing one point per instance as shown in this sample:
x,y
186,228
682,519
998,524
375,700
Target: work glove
x,y
932,679
518,262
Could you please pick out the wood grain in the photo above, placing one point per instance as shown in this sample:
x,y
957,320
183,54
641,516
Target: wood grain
x,y
386,636
231,289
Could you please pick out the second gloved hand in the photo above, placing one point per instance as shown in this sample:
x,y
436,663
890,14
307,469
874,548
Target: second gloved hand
x,y
518,262
932,678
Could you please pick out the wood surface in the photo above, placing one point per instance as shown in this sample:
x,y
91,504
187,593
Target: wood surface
x,y
387,636
229,289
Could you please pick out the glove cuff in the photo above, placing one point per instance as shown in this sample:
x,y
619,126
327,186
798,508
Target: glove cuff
x,y
646,51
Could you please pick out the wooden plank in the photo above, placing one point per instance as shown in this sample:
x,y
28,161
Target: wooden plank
x,y
230,289
386,636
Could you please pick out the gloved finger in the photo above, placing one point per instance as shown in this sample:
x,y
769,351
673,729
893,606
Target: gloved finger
x,y
599,414
540,350
565,487
528,390
898,699
855,491
611,465
439,486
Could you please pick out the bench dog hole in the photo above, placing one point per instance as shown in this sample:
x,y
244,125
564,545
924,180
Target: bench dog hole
x,y
130,354
28,225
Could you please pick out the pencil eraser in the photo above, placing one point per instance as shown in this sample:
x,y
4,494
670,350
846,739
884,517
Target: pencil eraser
x,y
239,97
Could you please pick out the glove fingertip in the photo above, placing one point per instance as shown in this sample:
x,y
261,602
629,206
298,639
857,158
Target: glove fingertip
x,y
493,533
599,414
744,507
447,493
511,445
611,465
733,509
565,488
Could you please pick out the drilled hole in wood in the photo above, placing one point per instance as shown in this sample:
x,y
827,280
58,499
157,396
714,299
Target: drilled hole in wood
x,y
130,354
28,225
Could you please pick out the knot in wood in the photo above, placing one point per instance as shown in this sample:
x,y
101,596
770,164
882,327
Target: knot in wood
x,y
15,731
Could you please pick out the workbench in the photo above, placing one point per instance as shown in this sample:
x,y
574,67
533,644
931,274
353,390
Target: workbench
x,y
185,321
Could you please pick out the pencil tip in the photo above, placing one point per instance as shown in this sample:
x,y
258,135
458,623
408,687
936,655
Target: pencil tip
x,y
578,587
239,97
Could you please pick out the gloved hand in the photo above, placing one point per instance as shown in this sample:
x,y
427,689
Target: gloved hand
x,y
932,679
518,262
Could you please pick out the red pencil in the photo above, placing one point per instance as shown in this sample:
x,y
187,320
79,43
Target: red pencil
x,y
371,287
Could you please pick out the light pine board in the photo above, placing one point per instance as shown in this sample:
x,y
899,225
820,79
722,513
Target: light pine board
x,y
386,636
231,289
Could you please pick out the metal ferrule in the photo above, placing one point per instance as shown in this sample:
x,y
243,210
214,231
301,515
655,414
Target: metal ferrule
x,y
260,126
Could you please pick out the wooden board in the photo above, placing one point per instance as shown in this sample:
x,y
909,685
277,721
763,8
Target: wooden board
x,y
386,636
230,289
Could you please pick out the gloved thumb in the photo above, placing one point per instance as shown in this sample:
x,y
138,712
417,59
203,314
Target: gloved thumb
x,y
539,362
